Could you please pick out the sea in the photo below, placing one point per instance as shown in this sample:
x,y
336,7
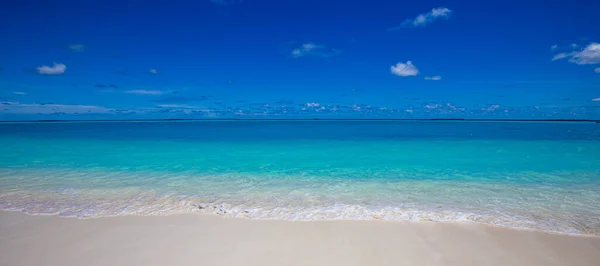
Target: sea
x,y
541,176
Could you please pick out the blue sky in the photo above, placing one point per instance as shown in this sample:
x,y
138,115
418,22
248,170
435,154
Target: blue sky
x,y
299,59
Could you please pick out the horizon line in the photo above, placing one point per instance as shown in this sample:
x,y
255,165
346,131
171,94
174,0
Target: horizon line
x,y
303,119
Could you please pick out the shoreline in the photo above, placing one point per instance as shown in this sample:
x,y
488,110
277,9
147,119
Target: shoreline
x,y
192,239
205,214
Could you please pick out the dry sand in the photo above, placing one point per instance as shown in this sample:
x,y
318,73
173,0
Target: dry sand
x,y
196,239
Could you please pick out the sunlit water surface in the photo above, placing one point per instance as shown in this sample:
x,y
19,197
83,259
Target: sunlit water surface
x,y
543,176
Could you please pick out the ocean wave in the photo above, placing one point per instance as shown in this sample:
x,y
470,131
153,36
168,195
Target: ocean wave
x,y
122,202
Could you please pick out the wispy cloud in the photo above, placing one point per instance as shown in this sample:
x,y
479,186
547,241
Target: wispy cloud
x,y
55,69
440,108
596,99
153,71
187,109
36,108
19,93
77,47
430,107
404,69
314,49
181,99
433,78
589,55
226,2
570,46
182,106
305,49
491,108
597,70
423,19
146,92
562,55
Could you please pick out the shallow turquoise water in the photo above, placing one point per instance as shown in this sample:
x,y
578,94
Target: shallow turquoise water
x,y
543,176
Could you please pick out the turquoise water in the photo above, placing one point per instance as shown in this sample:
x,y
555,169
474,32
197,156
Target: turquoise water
x,y
542,176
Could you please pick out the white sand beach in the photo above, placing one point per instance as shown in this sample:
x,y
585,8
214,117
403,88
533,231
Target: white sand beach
x,y
195,239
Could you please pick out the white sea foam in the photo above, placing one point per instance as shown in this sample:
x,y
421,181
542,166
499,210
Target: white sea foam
x,y
95,204
552,206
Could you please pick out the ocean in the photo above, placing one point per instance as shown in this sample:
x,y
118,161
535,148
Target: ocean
x,y
529,175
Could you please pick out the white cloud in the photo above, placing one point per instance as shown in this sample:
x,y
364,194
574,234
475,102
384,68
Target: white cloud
x,y
424,19
23,108
554,47
430,107
589,55
404,69
313,104
56,69
153,71
451,107
145,92
310,46
77,47
188,109
306,49
574,45
433,78
19,93
491,108
562,55
314,49
596,99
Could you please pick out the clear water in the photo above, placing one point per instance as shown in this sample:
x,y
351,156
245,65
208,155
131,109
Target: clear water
x,y
542,176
